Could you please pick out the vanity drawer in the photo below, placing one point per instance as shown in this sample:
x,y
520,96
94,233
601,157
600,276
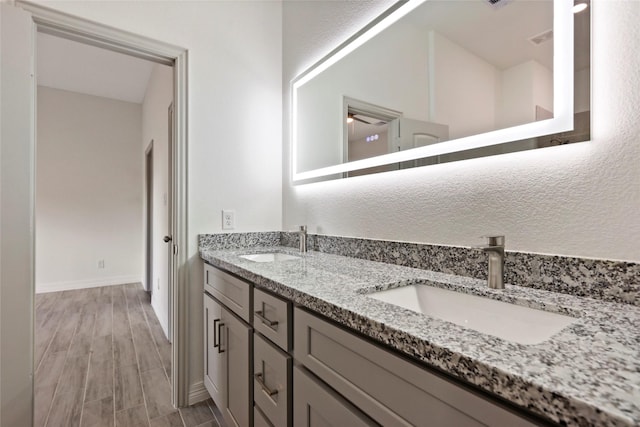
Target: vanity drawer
x,y
272,318
316,405
390,389
234,293
272,381
259,420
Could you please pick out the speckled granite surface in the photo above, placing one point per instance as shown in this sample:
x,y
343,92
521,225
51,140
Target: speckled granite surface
x,y
607,280
588,374
238,240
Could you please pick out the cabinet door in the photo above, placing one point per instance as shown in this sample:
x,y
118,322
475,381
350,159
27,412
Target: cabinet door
x,y
390,389
272,374
259,420
214,373
236,344
316,405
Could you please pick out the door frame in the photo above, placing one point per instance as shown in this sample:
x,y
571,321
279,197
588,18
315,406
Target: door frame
x,y
171,213
60,24
17,240
148,241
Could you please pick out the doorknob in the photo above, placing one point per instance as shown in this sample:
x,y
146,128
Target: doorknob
x,y
167,239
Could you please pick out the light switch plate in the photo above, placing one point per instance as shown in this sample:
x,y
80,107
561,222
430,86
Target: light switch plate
x,y
228,219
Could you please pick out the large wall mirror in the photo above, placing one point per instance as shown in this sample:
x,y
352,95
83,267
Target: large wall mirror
x,y
433,81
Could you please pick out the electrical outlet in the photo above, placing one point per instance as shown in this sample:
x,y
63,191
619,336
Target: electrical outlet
x,y
100,263
228,219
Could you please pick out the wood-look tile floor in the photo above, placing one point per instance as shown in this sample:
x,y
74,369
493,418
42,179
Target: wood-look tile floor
x,y
102,359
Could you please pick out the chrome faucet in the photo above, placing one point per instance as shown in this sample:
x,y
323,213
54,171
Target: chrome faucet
x,y
495,253
302,236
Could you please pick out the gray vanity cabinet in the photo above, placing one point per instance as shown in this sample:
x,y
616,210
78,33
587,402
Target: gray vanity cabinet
x,y
389,389
272,318
235,342
271,383
316,405
339,378
213,357
228,348
272,363
232,292
259,419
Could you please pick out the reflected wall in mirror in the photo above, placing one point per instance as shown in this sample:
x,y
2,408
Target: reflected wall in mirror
x,y
439,80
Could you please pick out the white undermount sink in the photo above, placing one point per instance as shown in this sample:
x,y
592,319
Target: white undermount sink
x,y
269,257
511,322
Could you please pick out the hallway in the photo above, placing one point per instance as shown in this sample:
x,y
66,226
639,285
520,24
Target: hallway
x,y
102,360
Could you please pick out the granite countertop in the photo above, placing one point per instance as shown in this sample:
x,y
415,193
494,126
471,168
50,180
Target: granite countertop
x,y
587,374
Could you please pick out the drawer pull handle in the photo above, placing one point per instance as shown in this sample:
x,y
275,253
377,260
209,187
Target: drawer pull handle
x,y
273,324
260,379
215,335
220,350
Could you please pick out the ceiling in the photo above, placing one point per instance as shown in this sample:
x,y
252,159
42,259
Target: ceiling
x,y
358,130
499,35
77,67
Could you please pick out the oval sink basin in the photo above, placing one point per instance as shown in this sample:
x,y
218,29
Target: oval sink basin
x,y
511,322
269,257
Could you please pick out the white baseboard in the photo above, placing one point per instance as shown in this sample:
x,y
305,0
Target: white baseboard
x,y
197,393
42,288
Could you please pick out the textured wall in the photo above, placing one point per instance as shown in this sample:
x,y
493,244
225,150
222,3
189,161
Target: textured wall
x,y
580,200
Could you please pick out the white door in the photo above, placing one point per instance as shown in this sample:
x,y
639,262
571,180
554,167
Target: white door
x,y
17,147
171,252
405,134
409,133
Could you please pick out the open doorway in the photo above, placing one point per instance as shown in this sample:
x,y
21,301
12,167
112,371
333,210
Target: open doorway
x,y
102,213
19,20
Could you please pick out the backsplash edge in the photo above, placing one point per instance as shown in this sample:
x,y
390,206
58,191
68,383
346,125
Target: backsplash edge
x,y
611,281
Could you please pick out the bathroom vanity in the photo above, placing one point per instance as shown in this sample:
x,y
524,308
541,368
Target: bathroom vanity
x,y
249,369
300,339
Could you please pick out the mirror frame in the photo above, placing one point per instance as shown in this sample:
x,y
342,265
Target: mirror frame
x,y
563,97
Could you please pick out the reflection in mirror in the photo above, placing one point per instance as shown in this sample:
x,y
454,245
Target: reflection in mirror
x,y
366,132
371,130
439,77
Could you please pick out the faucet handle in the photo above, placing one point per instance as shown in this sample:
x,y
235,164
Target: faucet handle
x,y
303,228
494,240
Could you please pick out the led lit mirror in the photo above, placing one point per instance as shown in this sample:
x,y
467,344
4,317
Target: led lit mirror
x,y
433,81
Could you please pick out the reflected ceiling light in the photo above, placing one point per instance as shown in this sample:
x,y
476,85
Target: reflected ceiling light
x,y
350,118
579,7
